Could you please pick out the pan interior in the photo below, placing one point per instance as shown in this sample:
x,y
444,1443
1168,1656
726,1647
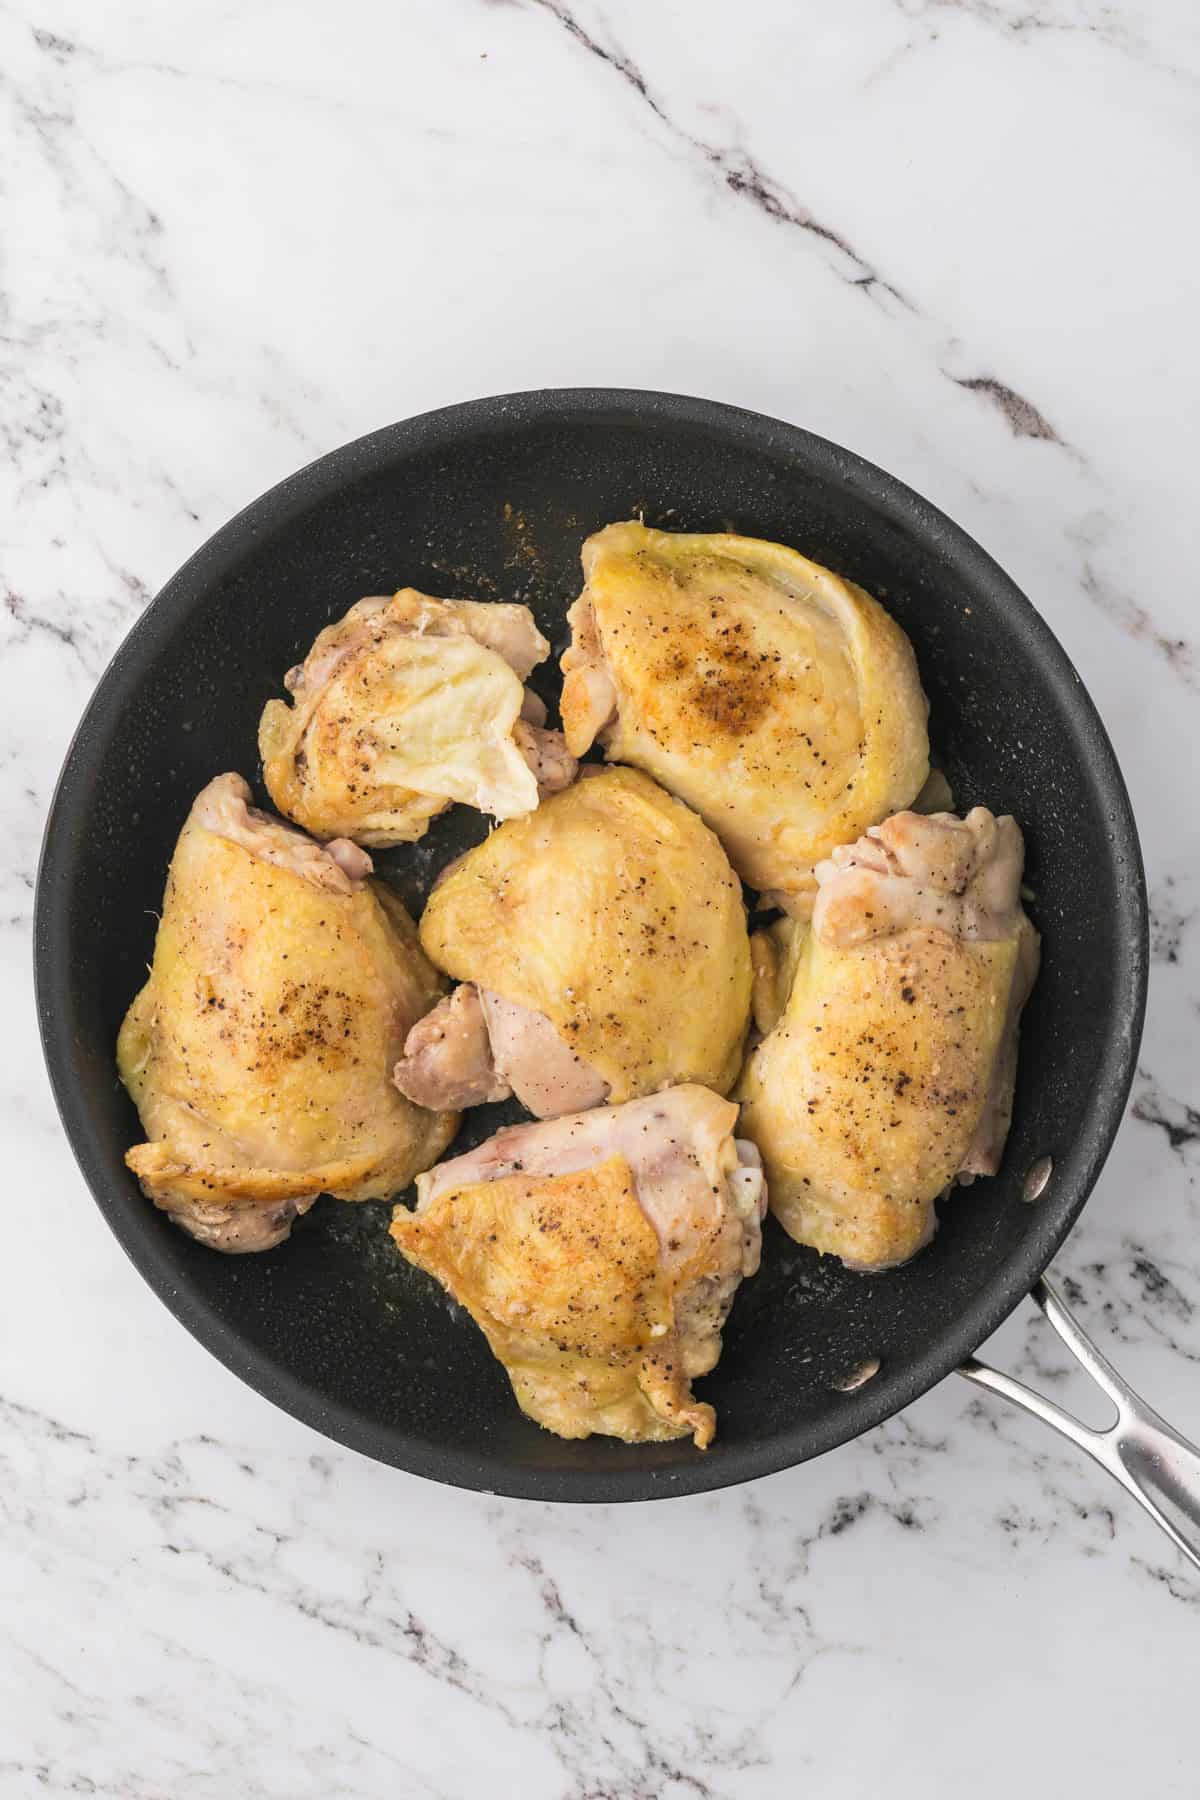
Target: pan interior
x,y
492,501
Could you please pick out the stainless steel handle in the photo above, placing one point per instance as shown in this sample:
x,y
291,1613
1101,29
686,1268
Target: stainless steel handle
x,y
1150,1460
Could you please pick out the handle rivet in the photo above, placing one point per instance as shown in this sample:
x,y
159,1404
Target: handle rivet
x,y
1035,1181
858,1377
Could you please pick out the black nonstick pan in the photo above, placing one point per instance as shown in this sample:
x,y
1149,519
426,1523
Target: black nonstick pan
x,y
492,500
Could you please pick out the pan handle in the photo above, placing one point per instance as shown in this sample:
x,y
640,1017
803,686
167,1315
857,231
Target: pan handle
x,y
1150,1460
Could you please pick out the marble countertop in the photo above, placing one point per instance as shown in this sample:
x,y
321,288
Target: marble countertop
x,y
951,234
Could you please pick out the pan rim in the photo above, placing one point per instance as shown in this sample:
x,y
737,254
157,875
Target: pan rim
x,y
1076,1172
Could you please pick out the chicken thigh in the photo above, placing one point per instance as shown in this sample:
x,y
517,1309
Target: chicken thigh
x,y
780,701
890,1055
259,1052
405,706
604,939
600,1254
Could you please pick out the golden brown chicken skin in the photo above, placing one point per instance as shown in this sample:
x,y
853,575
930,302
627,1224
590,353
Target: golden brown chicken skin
x,y
606,940
890,1055
778,700
405,706
600,1254
259,1052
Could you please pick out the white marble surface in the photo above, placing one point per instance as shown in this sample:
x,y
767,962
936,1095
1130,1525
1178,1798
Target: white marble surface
x,y
956,235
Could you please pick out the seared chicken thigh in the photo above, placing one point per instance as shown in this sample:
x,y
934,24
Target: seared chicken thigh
x,y
780,701
605,940
405,706
600,1255
259,1052
891,1047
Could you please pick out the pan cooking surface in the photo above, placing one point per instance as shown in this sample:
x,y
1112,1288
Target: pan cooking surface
x,y
492,501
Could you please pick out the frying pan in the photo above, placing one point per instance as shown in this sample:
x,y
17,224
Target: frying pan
x,y
493,500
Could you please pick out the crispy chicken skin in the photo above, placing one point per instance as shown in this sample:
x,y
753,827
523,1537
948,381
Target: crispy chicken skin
x,y
890,1055
606,936
405,706
778,700
600,1254
259,1052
